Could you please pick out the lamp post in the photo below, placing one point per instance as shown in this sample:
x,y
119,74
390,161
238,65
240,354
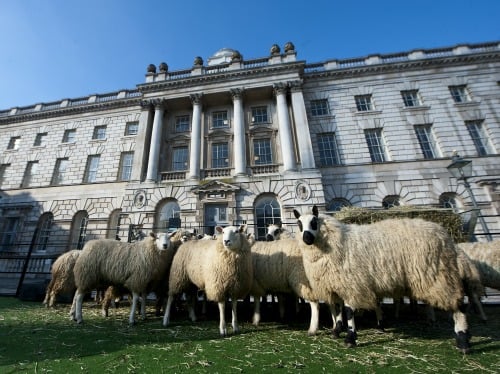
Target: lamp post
x,y
461,169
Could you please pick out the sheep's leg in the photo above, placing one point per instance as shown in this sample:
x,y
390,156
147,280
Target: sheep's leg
x,y
476,301
133,308
256,310
351,336
222,319
143,305
314,324
166,316
73,309
431,315
234,315
380,317
78,301
281,305
461,331
192,299
338,324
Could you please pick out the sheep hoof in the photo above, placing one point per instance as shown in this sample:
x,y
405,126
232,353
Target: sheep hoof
x,y
311,333
463,344
336,331
350,339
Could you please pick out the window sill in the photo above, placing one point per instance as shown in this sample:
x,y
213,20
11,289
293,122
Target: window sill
x,y
367,112
416,108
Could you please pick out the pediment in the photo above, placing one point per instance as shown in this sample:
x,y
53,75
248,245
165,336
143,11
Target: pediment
x,y
215,186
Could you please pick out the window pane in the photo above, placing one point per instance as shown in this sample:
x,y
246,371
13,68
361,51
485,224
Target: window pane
x,y
259,114
375,145
99,133
425,139
126,165
39,139
14,142
3,173
69,136
459,94
29,174
479,137
267,211
410,98
319,107
262,151
181,123
363,102
219,119
180,158
60,171
220,155
92,168
44,231
327,147
131,128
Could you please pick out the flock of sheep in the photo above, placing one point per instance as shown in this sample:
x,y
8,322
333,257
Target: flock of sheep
x,y
351,266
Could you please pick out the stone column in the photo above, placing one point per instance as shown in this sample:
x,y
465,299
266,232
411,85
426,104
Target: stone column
x,y
154,150
285,131
302,126
195,152
142,138
239,149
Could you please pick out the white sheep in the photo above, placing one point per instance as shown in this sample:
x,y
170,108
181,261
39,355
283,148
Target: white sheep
x,y
486,257
62,278
362,263
104,262
278,268
222,268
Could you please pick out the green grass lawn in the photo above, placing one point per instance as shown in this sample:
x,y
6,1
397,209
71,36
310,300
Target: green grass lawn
x,y
34,339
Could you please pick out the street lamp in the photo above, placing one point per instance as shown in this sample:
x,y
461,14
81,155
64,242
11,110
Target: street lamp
x,y
461,169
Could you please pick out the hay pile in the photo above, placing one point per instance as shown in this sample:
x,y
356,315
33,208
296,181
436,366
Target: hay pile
x,y
445,217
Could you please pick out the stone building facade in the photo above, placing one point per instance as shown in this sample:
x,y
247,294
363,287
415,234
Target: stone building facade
x,y
234,141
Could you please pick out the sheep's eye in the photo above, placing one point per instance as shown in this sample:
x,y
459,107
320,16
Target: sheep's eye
x,y
314,224
300,225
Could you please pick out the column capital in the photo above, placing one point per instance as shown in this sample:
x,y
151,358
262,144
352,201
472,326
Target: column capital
x,y
280,88
146,104
236,93
196,98
159,103
296,86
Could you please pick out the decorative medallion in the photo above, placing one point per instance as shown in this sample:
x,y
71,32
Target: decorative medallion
x,y
139,199
302,191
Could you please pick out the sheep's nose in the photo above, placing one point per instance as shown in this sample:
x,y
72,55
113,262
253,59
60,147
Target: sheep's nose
x,y
308,238
165,246
269,238
227,242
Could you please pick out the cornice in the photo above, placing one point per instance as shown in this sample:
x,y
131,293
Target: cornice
x,y
208,78
59,112
409,65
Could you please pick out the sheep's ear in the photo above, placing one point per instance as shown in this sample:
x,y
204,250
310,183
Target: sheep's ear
x,y
218,229
296,213
243,228
152,234
315,211
172,233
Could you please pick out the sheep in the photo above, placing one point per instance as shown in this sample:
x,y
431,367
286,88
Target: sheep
x,y
221,268
361,263
278,268
63,280
111,262
486,257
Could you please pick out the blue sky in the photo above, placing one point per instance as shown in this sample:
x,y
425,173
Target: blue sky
x,y
56,49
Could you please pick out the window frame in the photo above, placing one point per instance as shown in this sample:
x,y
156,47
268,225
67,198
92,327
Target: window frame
x,y
214,161
91,169
411,98
267,151
14,143
426,140
376,150
39,139
59,172
479,137
319,107
364,103
126,165
3,172
183,163
259,118
222,122
99,132
182,126
69,136
129,125
460,93
333,151
29,173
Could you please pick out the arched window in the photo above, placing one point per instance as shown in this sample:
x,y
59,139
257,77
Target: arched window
x,y
267,211
391,201
43,230
450,200
79,229
168,215
114,222
337,204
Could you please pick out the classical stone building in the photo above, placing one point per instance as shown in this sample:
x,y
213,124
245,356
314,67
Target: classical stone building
x,y
235,141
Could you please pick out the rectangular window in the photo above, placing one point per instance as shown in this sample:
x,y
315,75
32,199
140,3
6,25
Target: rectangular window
x,y
410,98
219,119
29,174
375,144
479,137
99,133
262,152
69,136
363,102
14,142
3,173
259,115
426,141
179,158
60,171
39,139
126,161
182,124
220,155
9,233
131,128
91,168
459,93
319,107
327,146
